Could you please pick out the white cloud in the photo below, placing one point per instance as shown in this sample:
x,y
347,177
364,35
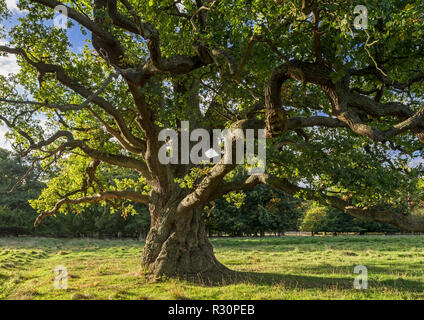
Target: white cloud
x,y
415,162
11,5
3,142
8,65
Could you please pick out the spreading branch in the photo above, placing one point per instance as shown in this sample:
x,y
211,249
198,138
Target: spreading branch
x,y
102,196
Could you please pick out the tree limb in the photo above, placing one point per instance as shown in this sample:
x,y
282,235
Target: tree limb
x,y
106,195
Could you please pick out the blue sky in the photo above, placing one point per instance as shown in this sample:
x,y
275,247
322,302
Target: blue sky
x,y
8,64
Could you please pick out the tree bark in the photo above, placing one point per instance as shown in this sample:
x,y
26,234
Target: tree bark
x,y
178,245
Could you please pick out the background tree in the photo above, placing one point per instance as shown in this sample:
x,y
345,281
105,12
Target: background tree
x,y
255,212
16,215
313,219
317,218
342,108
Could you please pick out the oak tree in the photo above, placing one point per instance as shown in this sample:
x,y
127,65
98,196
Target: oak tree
x,y
342,107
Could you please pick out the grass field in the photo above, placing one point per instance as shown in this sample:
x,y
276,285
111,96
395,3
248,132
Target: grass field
x,y
270,268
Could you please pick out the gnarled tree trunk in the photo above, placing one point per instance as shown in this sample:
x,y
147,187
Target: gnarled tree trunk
x,y
178,245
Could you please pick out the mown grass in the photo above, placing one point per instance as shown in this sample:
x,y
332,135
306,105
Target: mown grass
x,y
269,268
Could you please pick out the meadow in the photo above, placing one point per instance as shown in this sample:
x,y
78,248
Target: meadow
x,y
290,267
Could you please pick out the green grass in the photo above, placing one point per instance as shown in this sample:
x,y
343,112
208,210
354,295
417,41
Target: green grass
x,y
270,268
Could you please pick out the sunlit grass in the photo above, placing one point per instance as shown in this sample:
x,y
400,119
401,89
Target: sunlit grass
x,y
270,268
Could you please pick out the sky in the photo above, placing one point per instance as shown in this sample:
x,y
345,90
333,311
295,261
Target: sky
x,y
8,63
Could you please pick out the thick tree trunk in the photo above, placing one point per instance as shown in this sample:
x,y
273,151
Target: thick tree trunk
x,y
178,245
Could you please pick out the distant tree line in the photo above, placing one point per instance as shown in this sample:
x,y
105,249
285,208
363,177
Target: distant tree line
x,y
17,217
264,211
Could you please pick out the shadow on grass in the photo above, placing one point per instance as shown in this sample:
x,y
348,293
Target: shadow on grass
x,y
299,282
391,270
4,277
288,243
